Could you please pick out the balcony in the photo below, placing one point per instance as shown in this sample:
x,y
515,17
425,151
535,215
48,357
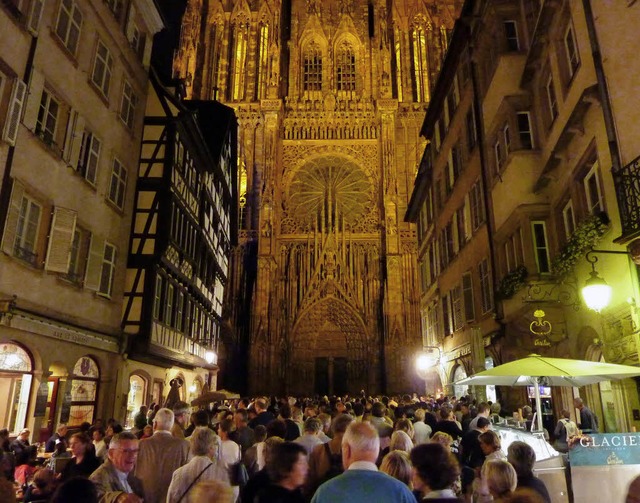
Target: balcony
x,y
627,184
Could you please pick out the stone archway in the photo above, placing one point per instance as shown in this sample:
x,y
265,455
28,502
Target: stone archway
x,y
330,353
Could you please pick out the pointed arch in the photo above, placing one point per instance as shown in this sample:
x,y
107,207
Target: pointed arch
x,y
419,38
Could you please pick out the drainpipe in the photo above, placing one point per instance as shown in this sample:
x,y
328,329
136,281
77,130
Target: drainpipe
x,y
603,90
5,185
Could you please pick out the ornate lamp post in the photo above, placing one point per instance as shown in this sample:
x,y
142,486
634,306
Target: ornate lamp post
x,y
428,358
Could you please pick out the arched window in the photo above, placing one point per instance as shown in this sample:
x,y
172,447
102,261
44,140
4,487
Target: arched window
x,y
136,398
262,63
312,68
420,63
238,60
84,391
398,51
345,68
458,374
215,43
16,366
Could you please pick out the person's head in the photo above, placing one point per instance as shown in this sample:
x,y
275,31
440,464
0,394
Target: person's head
x,y
378,409
44,479
419,415
564,413
489,442
495,408
260,433
358,409
340,424
578,403
241,418
225,427
405,425
123,451
269,444
442,438
312,426
79,444
204,442
483,424
211,491
446,413
182,413
147,431
76,489
527,412
98,434
62,430
484,409
144,409
260,405
435,467
288,465
500,477
398,465
522,457
4,434
277,428
24,434
400,441
200,418
325,421
163,420
360,443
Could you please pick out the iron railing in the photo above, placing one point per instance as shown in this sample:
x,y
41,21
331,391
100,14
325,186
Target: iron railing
x,y
627,184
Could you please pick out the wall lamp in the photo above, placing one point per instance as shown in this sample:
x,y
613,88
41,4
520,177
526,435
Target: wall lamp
x,y
596,292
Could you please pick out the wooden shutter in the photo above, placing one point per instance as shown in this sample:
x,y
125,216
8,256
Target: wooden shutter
x,y
36,85
76,141
131,22
94,263
63,227
18,95
35,14
11,225
68,135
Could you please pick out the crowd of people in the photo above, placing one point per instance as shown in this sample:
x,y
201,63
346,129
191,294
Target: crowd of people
x,y
285,450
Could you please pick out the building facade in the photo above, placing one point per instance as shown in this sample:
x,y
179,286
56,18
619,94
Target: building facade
x,y
329,97
559,174
73,82
184,225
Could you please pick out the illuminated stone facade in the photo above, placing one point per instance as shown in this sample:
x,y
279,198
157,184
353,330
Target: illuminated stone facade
x,y
330,97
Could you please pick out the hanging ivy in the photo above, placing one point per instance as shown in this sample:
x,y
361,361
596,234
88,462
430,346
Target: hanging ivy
x,y
586,236
512,282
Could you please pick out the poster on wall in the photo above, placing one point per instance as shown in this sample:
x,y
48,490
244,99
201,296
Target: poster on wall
x,y
614,457
41,400
65,408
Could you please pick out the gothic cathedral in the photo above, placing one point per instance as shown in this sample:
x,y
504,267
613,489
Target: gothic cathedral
x,y
330,97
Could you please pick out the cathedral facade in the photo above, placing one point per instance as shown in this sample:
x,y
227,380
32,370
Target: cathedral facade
x,y
330,97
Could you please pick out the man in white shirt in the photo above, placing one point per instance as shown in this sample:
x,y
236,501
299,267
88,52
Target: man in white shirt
x,y
422,431
311,438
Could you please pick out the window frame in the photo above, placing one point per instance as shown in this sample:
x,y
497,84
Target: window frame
x,y
102,81
552,99
528,133
568,219
128,104
540,247
42,128
509,39
70,10
599,205
111,264
119,183
572,54
24,227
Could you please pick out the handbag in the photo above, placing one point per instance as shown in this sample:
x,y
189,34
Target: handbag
x,y
238,474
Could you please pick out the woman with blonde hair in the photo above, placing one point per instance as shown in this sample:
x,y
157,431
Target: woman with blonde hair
x,y
210,491
398,465
400,441
499,479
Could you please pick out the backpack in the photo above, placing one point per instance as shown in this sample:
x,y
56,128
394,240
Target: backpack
x,y
335,464
570,427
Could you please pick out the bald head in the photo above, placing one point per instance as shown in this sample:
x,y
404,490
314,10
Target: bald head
x,y
360,443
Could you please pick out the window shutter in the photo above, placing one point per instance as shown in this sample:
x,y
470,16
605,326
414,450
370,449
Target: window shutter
x,y
76,141
146,57
35,14
11,225
131,22
63,227
18,95
36,85
94,263
68,136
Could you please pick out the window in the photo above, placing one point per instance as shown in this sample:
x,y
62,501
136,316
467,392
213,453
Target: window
x,y
168,311
524,130
511,34
116,7
497,151
108,270
179,310
514,251
593,193
118,184
89,156
457,309
486,289
346,68
477,205
157,299
312,67
507,140
467,292
84,391
138,40
552,102
420,64
27,230
238,46
568,219
102,68
571,48
47,117
68,24
262,61
78,256
128,105
472,137
541,246
447,322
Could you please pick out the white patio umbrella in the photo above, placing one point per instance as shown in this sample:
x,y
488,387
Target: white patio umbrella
x,y
535,370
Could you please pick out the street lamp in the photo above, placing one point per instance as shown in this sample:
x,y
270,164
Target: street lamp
x,y
596,292
425,361
210,356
